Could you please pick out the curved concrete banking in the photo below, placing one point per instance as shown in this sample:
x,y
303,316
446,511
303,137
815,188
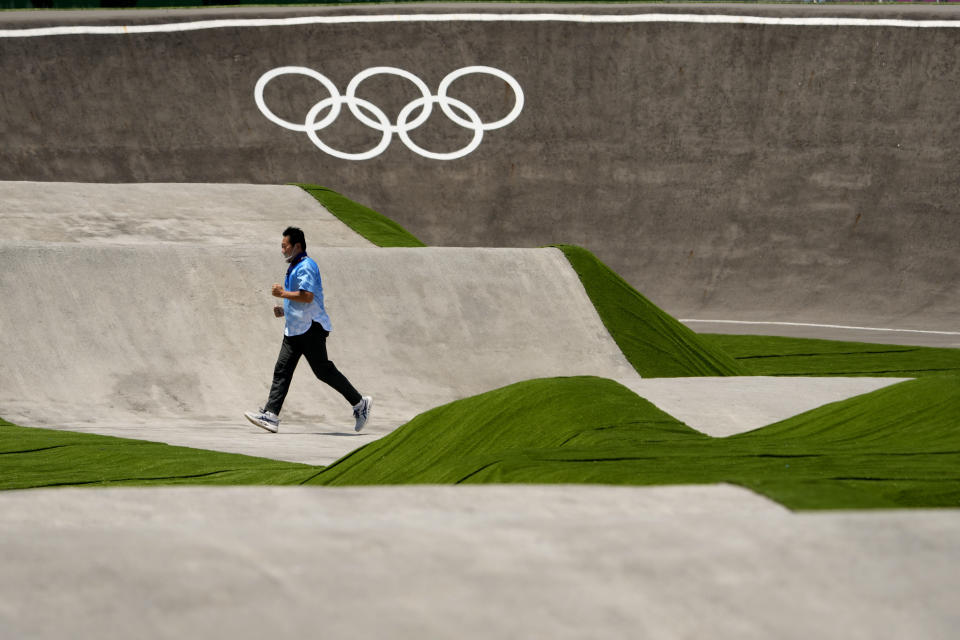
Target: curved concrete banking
x,y
149,315
145,312
217,215
143,337
469,562
798,168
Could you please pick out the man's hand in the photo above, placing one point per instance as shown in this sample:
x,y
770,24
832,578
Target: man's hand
x,y
278,311
296,296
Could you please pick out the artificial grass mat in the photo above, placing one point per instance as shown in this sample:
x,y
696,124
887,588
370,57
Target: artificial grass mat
x,y
893,448
896,447
33,458
778,356
375,227
656,344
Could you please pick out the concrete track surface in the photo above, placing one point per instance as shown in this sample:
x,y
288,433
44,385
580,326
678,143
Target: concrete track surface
x,y
469,562
145,313
758,172
764,172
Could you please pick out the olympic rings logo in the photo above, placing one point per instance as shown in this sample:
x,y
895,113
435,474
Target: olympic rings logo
x,y
372,116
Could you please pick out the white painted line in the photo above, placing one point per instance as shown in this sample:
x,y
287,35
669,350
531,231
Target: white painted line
x,y
821,326
475,17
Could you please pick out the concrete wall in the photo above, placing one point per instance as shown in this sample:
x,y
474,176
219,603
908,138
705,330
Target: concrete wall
x,y
760,172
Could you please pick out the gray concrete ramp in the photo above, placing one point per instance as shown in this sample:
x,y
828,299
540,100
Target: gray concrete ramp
x,y
724,406
468,562
146,313
141,340
99,214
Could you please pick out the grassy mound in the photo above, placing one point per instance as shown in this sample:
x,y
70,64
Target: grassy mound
x,y
656,344
32,458
896,447
475,438
776,356
375,227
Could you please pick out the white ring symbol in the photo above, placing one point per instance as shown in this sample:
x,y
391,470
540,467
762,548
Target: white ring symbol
x,y
360,109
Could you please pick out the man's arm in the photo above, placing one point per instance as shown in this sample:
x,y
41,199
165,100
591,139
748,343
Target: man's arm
x,y
295,296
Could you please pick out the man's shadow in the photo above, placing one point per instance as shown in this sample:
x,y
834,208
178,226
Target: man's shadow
x,y
347,434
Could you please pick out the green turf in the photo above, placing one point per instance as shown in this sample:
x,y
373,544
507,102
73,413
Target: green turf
x,y
455,442
896,447
776,356
893,448
657,345
375,227
31,458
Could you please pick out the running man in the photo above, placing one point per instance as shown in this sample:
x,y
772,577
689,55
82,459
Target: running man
x,y
305,334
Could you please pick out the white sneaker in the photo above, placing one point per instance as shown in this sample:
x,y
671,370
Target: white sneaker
x,y
264,419
361,412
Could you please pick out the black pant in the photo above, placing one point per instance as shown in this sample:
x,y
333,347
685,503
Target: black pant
x,y
313,345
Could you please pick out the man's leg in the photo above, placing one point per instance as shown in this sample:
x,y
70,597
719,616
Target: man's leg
x,y
290,352
315,350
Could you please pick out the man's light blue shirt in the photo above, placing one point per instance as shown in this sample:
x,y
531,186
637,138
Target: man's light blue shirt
x,y
304,275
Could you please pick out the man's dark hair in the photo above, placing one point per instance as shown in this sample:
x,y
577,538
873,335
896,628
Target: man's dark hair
x,y
295,235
